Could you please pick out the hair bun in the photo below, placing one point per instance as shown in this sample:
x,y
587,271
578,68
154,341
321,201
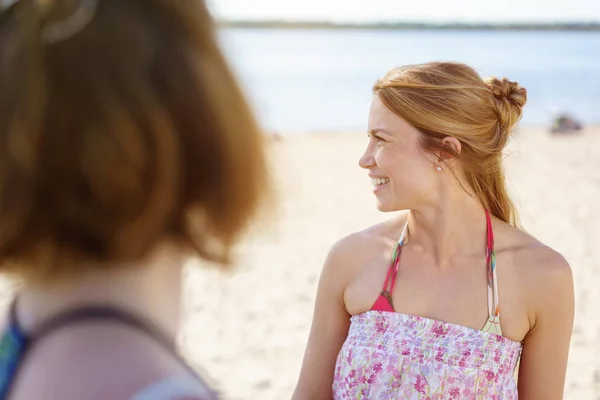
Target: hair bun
x,y
509,98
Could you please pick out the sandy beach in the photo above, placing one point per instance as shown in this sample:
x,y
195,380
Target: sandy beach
x,y
248,327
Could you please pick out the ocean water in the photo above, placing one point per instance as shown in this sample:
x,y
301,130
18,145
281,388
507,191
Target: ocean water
x,y
302,81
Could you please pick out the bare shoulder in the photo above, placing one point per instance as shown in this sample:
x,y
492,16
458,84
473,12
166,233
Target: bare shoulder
x,y
352,252
547,274
530,255
537,260
544,274
346,274
383,233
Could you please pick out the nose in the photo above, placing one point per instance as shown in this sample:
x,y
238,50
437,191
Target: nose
x,y
367,160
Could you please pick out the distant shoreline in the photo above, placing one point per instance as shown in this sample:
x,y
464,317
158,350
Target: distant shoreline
x,y
275,24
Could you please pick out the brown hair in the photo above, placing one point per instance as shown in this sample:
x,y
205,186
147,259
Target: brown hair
x,y
450,99
131,132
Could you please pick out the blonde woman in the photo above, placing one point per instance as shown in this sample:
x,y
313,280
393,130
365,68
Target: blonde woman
x,y
125,147
445,299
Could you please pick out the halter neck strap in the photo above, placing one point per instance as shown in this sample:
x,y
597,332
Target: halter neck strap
x,y
493,300
393,270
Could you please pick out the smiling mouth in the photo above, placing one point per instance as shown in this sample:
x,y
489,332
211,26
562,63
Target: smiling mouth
x,y
376,182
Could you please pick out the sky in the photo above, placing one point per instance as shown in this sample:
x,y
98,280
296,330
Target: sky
x,y
411,10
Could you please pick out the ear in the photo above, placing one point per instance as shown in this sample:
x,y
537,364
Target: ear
x,y
454,145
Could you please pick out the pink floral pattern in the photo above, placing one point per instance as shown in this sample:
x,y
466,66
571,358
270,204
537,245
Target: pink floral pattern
x,y
389,355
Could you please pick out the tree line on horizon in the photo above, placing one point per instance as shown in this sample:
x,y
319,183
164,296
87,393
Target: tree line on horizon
x,y
538,26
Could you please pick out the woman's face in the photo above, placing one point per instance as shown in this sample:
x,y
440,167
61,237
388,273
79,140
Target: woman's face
x,y
402,174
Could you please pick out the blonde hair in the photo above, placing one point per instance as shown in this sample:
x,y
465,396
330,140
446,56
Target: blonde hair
x,y
445,99
130,133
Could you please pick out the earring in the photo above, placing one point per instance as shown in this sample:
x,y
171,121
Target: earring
x,y
439,168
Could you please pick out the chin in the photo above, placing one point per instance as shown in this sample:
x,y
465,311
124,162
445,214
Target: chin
x,y
384,206
388,203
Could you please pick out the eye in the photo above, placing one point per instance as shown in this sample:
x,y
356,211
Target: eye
x,y
378,139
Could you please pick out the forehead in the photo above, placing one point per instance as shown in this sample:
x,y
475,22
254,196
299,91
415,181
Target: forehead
x,y
382,118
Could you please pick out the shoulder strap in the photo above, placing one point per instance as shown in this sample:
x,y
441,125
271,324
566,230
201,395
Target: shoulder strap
x,y
81,315
388,285
493,301
95,313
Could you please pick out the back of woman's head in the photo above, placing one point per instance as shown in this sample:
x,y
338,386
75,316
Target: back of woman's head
x,y
121,126
450,99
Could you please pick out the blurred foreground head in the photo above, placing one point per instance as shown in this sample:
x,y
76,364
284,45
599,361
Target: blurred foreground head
x,y
121,129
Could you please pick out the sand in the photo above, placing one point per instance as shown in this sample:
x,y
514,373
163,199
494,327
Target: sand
x,y
248,328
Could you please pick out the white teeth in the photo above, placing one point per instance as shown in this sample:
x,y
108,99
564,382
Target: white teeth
x,y
379,181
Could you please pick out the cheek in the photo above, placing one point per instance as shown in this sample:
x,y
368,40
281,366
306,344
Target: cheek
x,y
407,170
395,162
388,158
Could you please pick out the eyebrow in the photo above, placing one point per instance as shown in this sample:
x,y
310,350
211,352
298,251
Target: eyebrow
x,y
376,131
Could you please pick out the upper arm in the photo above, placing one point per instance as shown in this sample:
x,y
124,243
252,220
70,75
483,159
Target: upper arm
x,y
329,327
546,347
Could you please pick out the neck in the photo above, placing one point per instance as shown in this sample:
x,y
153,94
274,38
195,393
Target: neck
x,y
450,228
150,291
